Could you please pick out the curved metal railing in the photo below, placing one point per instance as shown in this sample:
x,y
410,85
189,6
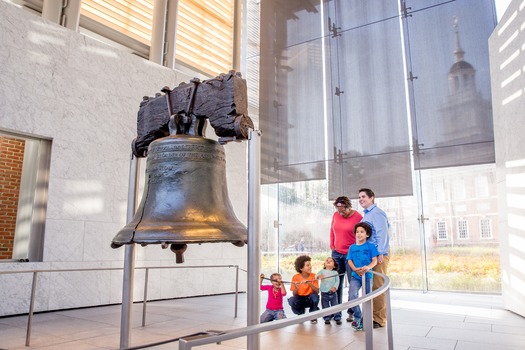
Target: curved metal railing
x,y
209,337
366,300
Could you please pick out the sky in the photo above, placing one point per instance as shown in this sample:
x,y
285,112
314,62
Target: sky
x,y
501,6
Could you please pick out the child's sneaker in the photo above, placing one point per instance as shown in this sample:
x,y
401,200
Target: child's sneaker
x,y
357,325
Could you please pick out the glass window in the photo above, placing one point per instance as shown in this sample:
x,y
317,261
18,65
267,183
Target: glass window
x,y
439,192
482,186
458,188
298,217
485,228
462,229
291,50
24,169
204,33
447,49
442,230
365,82
449,260
368,98
132,18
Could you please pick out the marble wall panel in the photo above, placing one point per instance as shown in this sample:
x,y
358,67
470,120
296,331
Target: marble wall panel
x,y
178,283
64,240
154,253
153,286
72,199
86,161
115,286
97,242
15,289
78,289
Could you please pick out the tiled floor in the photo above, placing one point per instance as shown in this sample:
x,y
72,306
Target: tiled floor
x,y
440,321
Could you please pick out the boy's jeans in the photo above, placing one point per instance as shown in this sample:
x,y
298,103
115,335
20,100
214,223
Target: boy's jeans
x,y
330,299
353,293
300,303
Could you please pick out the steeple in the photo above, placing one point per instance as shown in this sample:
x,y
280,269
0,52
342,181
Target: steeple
x,y
458,52
466,116
461,76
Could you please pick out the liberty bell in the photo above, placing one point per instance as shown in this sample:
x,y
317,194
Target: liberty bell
x,y
185,197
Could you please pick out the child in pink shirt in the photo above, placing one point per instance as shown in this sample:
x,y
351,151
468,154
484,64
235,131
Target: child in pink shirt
x,y
276,292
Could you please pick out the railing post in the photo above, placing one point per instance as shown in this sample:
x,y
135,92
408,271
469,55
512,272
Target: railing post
x,y
31,309
127,296
367,317
236,289
129,260
145,297
183,344
389,329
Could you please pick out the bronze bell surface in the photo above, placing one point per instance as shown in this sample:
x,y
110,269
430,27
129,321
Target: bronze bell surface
x,y
185,197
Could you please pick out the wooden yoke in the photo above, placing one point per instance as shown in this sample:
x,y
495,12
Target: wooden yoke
x,y
184,110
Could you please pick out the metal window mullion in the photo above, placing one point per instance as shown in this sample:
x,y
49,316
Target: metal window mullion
x,y
240,14
171,31
71,14
158,30
52,10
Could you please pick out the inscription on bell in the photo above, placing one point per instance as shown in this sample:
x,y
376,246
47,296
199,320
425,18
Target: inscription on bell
x,y
186,147
187,156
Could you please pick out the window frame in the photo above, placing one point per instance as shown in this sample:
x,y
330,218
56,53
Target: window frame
x,y
441,230
30,229
465,229
488,224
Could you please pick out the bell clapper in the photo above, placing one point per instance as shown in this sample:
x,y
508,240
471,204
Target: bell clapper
x,y
179,250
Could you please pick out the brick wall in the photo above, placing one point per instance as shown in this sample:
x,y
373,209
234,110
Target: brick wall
x,y
11,160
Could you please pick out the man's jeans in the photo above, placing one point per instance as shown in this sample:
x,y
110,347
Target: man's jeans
x,y
299,303
330,299
353,293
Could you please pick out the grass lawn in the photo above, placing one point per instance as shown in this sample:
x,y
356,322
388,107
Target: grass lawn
x,y
468,269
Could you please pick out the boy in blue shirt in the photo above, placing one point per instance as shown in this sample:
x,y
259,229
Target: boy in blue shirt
x,y
362,256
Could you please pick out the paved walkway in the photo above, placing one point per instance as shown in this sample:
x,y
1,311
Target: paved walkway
x,y
439,321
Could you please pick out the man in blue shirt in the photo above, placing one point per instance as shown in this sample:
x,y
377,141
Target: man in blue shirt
x,y
377,218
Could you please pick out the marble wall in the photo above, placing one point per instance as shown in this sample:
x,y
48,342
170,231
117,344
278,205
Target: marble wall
x,y
84,95
507,61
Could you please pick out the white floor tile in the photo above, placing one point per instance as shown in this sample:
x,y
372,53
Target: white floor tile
x,y
421,321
